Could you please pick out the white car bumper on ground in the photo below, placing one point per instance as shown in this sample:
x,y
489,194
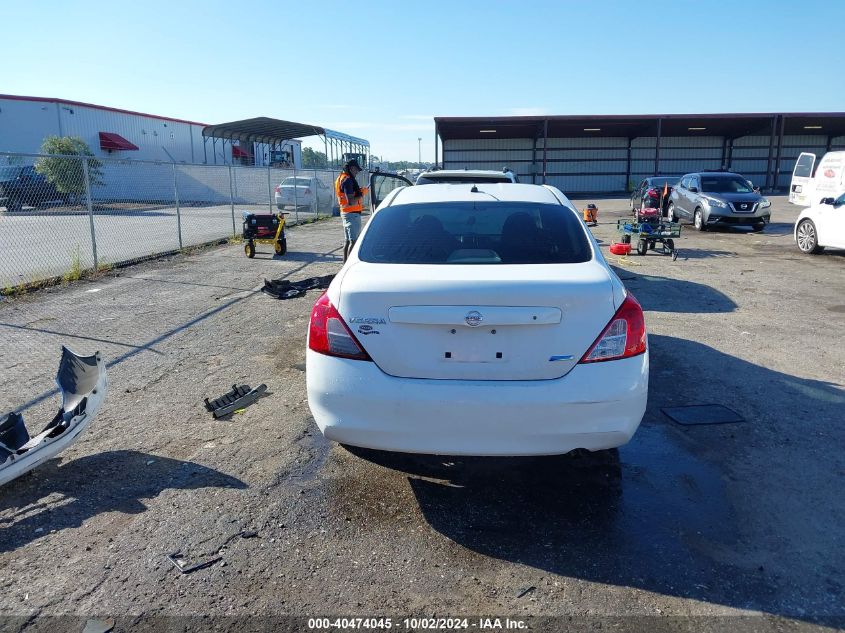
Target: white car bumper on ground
x,y
595,406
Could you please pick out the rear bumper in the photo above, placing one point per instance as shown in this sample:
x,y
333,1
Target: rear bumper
x,y
596,406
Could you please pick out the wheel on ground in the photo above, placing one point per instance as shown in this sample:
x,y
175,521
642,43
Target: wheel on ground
x,y
671,213
758,227
249,249
281,247
698,221
807,238
642,247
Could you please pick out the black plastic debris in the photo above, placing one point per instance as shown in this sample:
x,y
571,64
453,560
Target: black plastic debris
x,y
287,289
526,591
703,414
238,398
184,568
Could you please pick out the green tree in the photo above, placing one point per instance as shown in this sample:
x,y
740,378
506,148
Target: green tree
x,y
66,173
313,159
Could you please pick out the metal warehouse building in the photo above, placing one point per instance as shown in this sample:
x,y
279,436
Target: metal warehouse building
x,y
116,133
596,154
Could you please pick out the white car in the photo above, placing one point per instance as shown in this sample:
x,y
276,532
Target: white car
x,y
464,175
821,225
477,320
303,192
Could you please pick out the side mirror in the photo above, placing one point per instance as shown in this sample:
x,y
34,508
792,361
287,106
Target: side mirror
x,y
694,189
826,201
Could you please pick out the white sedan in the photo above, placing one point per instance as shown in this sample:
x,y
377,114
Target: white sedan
x,y
303,192
477,320
821,225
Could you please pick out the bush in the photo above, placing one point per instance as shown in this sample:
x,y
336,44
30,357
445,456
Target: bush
x,y
67,174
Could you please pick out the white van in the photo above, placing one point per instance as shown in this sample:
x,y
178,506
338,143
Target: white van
x,y
828,180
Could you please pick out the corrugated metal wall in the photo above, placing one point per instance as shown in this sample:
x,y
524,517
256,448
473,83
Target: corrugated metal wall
x,y
594,165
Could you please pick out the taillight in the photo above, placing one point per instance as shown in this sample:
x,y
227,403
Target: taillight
x,y
329,335
278,188
652,193
624,336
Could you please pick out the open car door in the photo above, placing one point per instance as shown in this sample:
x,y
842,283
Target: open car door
x,y
381,184
800,189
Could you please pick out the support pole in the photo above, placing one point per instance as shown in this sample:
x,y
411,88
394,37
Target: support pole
x,y
545,147
270,187
87,177
178,212
232,201
628,186
657,147
296,196
779,154
437,145
771,152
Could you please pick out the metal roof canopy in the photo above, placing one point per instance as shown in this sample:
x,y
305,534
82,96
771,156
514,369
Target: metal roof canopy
x,y
633,126
272,131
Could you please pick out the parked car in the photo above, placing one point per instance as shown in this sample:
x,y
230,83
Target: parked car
x,y
477,320
821,225
811,182
303,192
465,175
21,185
718,199
647,197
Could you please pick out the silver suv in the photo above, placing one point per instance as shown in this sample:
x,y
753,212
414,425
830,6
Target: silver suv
x,y
718,199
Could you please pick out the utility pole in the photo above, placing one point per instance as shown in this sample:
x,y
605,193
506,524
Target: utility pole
x,y
419,152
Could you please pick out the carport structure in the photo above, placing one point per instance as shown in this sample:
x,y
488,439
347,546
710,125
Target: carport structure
x,y
272,133
591,154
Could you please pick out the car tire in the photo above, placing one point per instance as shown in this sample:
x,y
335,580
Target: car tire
x,y
281,247
808,238
671,213
642,247
249,250
757,228
698,221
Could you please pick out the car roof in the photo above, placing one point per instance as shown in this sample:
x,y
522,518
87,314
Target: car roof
x,y
462,192
714,173
465,172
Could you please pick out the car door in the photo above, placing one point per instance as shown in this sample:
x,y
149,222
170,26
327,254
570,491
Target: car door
x,y
681,200
832,233
802,176
382,183
693,194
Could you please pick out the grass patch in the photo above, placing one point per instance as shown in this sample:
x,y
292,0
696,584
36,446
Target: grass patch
x,y
75,271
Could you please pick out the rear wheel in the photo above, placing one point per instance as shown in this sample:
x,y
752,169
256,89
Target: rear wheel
x,y
808,241
281,247
758,227
249,249
642,247
698,221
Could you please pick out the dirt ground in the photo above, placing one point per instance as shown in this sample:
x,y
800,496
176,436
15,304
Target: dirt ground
x,y
716,527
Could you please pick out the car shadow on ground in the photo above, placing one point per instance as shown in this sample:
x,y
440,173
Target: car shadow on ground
x,y
672,511
667,294
64,494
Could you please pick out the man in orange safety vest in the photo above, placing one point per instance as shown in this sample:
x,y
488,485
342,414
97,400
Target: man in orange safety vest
x,y
350,199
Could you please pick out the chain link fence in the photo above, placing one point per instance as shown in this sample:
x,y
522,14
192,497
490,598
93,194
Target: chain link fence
x,y
61,216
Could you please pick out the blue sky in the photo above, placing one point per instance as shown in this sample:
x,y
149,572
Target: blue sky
x,y
383,70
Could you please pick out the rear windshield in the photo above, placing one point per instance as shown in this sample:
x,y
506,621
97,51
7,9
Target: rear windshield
x,y
475,233
296,181
431,180
725,184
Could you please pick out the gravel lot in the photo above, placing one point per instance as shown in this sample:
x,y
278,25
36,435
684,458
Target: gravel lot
x,y
686,523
